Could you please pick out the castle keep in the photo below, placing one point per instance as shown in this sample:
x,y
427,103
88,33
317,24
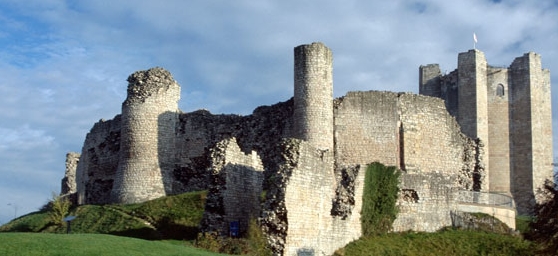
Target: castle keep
x,y
476,129
509,109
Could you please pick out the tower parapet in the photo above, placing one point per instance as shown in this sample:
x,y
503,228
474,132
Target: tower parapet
x,y
429,80
149,116
313,95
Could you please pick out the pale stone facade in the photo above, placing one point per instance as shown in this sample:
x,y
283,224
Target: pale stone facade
x,y
309,154
509,110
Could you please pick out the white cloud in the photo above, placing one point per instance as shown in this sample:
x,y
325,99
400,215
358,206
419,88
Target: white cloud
x,y
64,64
23,138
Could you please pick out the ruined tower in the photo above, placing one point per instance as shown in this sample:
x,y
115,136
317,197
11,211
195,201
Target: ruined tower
x,y
149,116
531,128
313,95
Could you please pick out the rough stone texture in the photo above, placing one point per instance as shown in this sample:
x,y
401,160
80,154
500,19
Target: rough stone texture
x,y
498,130
235,188
366,128
516,130
309,153
69,180
297,215
531,130
149,117
313,95
429,80
472,114
98,162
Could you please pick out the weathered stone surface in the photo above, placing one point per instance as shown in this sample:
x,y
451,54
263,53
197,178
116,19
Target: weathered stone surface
x,y
490,131
235,188
69,180
508,109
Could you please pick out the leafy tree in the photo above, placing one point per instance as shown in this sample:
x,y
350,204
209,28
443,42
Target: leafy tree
x,y
544,229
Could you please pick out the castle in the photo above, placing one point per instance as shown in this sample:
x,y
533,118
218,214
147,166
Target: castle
x,y
477,129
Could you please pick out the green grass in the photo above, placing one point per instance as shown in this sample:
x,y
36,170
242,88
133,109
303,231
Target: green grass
x,y
522,223
448,242
173,217
30,244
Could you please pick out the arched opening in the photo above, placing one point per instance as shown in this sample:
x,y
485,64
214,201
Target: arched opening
x,y
500,90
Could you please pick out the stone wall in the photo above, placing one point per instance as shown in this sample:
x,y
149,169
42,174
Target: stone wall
x,y
366,128
429,80
235,189
98,162
298,214
531,129
69,180
499,130
472,112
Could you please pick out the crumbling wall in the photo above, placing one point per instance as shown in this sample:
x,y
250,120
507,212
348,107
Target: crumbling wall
x,y
199,131
98,162
235,188
418,135
69,180
437,160
298,209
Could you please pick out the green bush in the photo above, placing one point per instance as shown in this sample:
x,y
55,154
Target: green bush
x,y
380,195
254,243
59,209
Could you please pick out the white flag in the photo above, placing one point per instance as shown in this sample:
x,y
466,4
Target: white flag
x,y
475,37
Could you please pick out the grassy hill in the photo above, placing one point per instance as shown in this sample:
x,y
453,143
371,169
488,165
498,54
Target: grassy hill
x,y
42,244
173,217
171,225
445,242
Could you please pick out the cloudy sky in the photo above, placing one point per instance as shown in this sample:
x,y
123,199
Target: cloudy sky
x,y
64,64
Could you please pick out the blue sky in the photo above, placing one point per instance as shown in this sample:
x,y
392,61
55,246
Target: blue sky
x,y
64,64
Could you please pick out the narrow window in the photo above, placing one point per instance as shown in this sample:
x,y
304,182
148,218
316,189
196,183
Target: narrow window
x,y
500,91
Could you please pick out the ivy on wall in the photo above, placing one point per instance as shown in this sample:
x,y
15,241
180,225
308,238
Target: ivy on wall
x,y
380,195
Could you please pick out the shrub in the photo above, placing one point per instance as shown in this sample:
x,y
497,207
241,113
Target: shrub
x,y
380,195
59,208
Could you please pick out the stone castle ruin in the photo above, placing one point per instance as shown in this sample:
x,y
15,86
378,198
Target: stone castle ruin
x,y
477,133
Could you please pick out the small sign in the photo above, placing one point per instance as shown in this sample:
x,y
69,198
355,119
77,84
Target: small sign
x,y
234,229
69,218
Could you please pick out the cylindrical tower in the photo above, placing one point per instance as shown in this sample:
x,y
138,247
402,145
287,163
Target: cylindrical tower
x,y
149,116
313,95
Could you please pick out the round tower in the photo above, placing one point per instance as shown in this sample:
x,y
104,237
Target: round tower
x,y
313,95
149,116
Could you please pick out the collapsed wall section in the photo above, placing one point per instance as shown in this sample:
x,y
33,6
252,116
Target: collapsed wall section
x,y
235,189
199,131
98,162
418,135
437,161
298,211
